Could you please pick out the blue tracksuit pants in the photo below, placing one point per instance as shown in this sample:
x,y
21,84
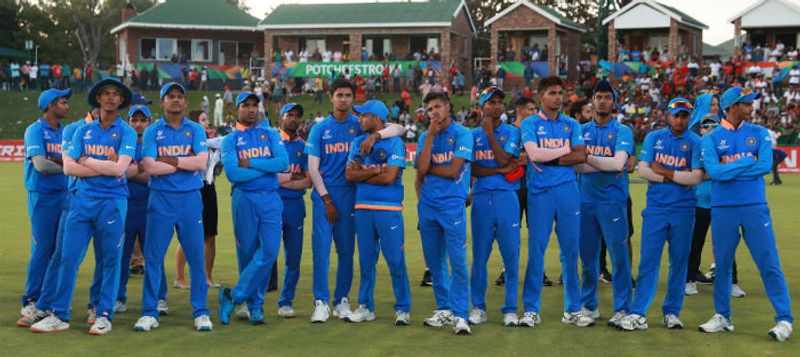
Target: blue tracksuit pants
x,y
382,231
343,233
609,222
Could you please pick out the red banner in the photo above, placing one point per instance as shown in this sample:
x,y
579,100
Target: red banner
x,y
790,165
12,150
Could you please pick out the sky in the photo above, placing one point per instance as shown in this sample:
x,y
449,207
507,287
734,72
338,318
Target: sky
x,y
713,13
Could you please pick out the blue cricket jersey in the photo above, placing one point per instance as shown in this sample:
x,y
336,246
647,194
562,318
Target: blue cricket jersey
x,y
298,162
605,141
385,152
437,191
549,134
330,141
45,140
66,137
162,140
678,153
137,191
256,144
92,140
508,138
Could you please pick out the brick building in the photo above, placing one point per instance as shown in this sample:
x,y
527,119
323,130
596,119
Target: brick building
x,y
524,25
644,24
395,28
204,32
767,23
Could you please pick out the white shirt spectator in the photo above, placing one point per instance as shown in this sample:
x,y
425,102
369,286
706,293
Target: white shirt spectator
x,y
715,66
773,135
644,83
33,73
794,76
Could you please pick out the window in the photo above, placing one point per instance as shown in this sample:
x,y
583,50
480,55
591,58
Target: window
x,y
387,46
201,50
165,48
660,41
184,49
245,51
369,44
315,44
433,44
147,48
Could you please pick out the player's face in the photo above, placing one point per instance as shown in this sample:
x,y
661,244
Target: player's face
x,y
109,98
707,128
493,108
438,110
203,120
602,102
248,111
742,111
526,110
291,120
586,112
174,101
342,99
714,109
679,122
552,98
59,107
139,122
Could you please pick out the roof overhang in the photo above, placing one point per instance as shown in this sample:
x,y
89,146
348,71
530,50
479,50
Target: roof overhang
x,y
181,27
535,9
656,6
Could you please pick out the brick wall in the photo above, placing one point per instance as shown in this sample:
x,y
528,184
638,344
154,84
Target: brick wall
x,y
132,36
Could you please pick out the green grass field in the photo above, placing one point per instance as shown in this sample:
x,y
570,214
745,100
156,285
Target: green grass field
x,y
753,314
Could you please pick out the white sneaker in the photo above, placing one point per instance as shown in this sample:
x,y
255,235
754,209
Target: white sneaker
x,y
691,288
614,320
162,308
145,324
321,312
477,316
360,315
737,292
530,319
718,323
102,326
91,315
671,321
577,318
461,327
50,324
342,309
243,313
781,331
439,319
594,314
285,311
203,323
28,309
402,318
120,306
30,317
510,319
632,322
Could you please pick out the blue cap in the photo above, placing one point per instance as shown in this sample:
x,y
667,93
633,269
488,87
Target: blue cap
x,y
605,86
487,94
374,107
243,95
139,108
289,106
738,95
679,104
139,98
165,89
124,90
50,95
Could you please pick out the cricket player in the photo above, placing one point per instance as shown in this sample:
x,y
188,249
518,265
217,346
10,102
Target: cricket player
x,y
139,118
443,172
736,156
252,156
292,187
554,144
495,212
333,198
604,197
99,155
46,185
670,161
174,155
378,213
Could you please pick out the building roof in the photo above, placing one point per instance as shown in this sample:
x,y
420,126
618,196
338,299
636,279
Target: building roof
x,y
547,12
192,15
670,11
431,13
775,11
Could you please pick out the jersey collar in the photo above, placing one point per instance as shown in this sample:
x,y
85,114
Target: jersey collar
x,y
725,124
286,137
242,127
47,125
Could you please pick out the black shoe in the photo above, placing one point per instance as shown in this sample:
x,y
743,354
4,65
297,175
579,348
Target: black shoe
x,y
426,279
633,283
560,280
501,280
605,276
701,279
137,269
272,288
546,281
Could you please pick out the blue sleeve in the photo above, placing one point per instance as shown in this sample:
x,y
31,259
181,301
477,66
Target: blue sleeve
x,y
128,144
279,161
230,162
717,171
527,134
576,137
763,164
647,154
149,148
624,140
463,145
397,157
697,157
420,142
66,138
354,149
34,145
303,158
512,142
313,143
76,145
199,144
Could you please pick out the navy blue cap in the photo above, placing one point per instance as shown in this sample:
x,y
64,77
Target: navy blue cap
x,y
488,93
165,89
604,85
679,104
738,95
289,106
139,98
124,90
139,108
374,107
50,95
243,95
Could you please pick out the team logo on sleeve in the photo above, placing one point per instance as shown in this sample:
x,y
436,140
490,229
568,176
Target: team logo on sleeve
x,y
327,134
160,135
659,145
87,135
381,154
351,131
751,141
240,141
723,144
541,131
187,134
451,140
684,147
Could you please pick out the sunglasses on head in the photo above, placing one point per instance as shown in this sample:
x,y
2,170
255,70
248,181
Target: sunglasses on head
x,y
710,125
681,105
489,90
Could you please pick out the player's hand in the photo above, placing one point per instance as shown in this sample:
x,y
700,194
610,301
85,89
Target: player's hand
x,y
330,209
244,163
168,160
487,125
508,168
366,145
57,160
298,175
523,158
435,128
82,160
113,157
657,168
